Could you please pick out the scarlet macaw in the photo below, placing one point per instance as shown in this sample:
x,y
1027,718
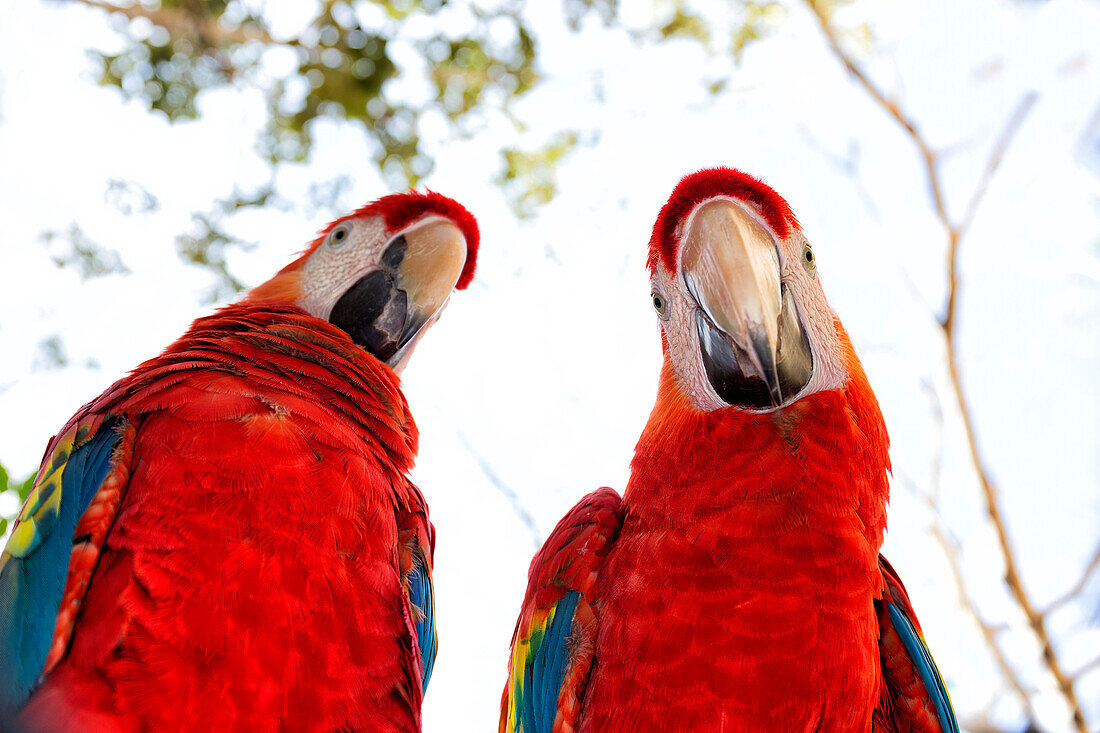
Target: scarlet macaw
x,y
737,584
227,539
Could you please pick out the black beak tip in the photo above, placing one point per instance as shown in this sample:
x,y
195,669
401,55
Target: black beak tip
x,y
723,363
765,355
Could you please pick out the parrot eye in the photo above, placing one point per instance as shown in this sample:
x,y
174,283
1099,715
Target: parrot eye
x,y
660,305
808,257
338,236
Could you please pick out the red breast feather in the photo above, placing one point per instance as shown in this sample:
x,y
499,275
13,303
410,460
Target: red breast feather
x,y
741,587
251,578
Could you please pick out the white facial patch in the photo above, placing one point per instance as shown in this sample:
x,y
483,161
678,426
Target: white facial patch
x,y
331,270
815,315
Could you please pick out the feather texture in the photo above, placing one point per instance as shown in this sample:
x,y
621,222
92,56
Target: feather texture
x,y
914,698
33,566
702,185
253,576
555,634
742,587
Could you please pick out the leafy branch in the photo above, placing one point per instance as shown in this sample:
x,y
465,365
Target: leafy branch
x,y
19,489
340,66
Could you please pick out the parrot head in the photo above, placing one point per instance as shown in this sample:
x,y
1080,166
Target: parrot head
x,y
745,323
383,273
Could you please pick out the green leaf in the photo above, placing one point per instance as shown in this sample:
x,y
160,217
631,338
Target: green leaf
x,y
26,487
529,178
760,21
21,489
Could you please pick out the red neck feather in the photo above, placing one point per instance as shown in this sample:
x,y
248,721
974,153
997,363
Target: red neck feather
x,y
828,449
282,356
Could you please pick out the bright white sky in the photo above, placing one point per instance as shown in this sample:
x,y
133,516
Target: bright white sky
x,y
545,369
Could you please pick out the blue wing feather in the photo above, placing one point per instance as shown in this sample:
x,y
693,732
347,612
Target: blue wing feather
x,y
545,668
422,595
926,668
554,641
32,583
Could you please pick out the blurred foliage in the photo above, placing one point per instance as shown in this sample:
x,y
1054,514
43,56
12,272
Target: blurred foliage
x,y
760,21
130,197
725,29
75,249
576,10
210,243
325,199
340,64
464,74
343,62
685,24
381,66
859,35
530,177
50,354
15,489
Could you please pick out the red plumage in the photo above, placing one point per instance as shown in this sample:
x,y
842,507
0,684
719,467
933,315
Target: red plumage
x,y
247,551
751,542
738,584
251,580
705,184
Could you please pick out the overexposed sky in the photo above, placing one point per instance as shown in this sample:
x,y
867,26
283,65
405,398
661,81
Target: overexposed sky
x,y
545,369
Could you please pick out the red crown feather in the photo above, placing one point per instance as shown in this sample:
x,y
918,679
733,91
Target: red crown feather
x,y
696,188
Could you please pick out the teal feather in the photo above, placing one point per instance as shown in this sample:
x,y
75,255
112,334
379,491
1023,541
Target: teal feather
x,y
31,586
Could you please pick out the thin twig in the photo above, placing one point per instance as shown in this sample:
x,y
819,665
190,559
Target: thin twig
x,y
950,550
1095,663
990,491
1073,592
989,631
995,157
891,107
509,493
955,232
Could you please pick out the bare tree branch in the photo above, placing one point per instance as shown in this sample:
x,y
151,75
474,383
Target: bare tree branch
x,y
954,232
1095,663
891,107
995,157
1073,592
949,546
181,22
950,551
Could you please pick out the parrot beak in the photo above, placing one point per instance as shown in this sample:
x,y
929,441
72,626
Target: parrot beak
x,y
753,347
389,307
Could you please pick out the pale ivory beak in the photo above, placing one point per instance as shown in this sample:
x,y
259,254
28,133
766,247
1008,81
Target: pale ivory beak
x,y
731,267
